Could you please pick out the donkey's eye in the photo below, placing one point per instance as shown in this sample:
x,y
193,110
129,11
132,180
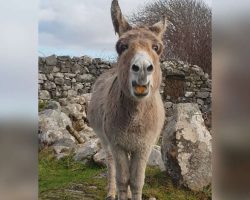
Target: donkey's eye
x,y
121,47
155,47
124,47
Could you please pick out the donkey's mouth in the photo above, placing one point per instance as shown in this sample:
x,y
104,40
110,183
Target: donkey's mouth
x,y
140,90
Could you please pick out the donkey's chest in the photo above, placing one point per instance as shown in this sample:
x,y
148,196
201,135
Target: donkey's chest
x,y
134,137
133,132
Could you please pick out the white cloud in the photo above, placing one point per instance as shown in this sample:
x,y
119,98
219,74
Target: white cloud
x,y
81,25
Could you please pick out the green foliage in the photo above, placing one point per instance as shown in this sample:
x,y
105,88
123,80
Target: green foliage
x,y
67,179
42,105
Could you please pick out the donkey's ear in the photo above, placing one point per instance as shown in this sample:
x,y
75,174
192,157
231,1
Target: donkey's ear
x,y
160,27
119,22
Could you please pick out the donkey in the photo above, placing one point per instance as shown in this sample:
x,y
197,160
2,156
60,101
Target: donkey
x,y
126,110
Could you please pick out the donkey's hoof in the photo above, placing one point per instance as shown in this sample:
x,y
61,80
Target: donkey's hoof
x,y
110,198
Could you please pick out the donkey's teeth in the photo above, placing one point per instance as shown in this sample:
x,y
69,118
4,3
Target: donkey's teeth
x,y
140,89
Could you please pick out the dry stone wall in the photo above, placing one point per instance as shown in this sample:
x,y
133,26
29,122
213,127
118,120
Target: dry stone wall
x,y
63,76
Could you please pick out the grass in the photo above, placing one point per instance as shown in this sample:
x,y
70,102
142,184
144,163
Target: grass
x,y
67,179
42,105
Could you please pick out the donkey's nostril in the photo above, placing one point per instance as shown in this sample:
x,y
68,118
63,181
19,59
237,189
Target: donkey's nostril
x,y
150,68
135,68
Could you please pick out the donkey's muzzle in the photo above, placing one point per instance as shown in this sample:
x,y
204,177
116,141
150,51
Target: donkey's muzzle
x,y
140,90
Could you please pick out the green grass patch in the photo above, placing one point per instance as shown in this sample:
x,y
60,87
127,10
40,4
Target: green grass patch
x,y
42,105
67,179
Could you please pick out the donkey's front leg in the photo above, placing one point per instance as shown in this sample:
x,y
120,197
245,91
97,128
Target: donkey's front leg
x,y
122,172
111,176
137,173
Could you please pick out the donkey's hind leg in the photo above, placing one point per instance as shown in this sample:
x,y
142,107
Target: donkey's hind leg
x,y
111,176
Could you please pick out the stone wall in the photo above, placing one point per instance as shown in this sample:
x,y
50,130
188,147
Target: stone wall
x,y
183,83
63,76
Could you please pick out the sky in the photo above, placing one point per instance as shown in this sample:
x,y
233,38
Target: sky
x,y
80,27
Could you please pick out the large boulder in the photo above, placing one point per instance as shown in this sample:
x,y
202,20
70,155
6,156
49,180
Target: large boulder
x,y
63,147
186,147
52,125
87,150
100,157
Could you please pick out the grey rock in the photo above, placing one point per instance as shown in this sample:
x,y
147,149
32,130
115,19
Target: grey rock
x,y
72,93
200,102
51,60
69,75
67,82
186,147
58,92
58,75
97,61
66,66
203,95
81,100
47,69
56,69
155,158
86,60
76,68
49,85
50,77
42,77
100,157
75,110
63,147
189,94
78,86
66,87
63,101
44,95
67,142
87,134
52,125
63,58
85,78
61,151
53,105
59,81
87,97
168,104
65,94
87,150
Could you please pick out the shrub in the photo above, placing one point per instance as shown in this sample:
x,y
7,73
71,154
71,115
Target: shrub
x,y
189,35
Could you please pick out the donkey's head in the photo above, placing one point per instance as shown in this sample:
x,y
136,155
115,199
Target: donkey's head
x,y
139,50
